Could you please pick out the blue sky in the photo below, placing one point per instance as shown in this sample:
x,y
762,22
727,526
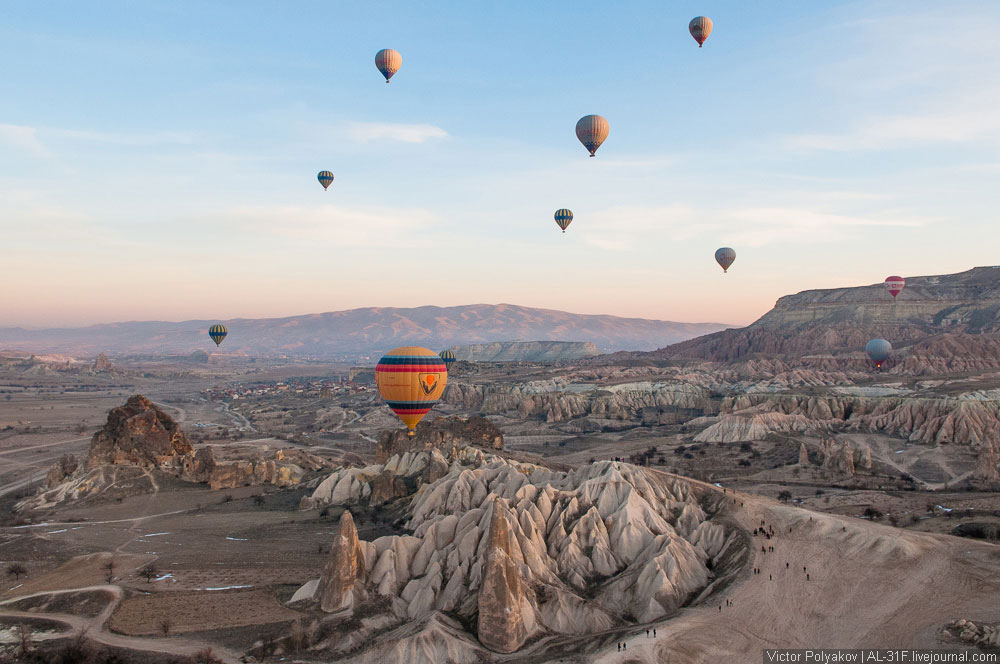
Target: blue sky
x,y
158,159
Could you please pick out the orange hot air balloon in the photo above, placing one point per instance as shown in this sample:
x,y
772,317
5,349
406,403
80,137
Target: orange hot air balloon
x,y
411,379
591,130
700,28
388,62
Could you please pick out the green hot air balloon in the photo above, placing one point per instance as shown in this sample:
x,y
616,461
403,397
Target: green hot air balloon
x,y
217,332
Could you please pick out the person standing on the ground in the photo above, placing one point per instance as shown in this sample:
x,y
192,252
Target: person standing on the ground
x,y
619,646
654,632
647,632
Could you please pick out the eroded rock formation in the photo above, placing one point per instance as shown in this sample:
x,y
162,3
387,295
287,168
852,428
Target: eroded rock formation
x,y
344,568
503,605
443,433
138,434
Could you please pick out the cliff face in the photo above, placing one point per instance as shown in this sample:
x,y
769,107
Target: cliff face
x,y
846,318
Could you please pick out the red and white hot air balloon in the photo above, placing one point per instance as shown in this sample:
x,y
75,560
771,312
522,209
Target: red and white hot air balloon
x,y
894,285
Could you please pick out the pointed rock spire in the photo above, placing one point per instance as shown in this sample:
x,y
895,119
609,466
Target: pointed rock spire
x,y
501,597
344,568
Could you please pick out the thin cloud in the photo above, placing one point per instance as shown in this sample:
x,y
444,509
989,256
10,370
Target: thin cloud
x,y
333,224
25,138
405,133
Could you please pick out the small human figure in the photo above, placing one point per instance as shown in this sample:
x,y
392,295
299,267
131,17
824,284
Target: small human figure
x,y
647,632
654,632
770,577
619,646
720,608
803,568
807,577
786,565
624,646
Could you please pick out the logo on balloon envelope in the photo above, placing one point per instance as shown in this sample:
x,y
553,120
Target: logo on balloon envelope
x,y
428,381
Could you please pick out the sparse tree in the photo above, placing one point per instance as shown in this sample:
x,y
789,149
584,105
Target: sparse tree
x,y
149,572
109,567
871,514
820,492
17,570
165,625
24,636
785,496
228,498
258,500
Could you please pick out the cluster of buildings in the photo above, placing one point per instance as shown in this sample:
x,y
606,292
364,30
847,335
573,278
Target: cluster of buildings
x,y
321,388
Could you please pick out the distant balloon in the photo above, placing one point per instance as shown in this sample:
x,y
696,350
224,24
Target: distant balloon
x,y
217,333
700,28
411,379
388,62
449,358
592,130
564,217
725,257
878,351
895,285
326,179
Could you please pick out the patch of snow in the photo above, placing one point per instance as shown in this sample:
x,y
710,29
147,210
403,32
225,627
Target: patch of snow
x,y
237,539
165,576
900,451
228,587
53,532
943,509
155,534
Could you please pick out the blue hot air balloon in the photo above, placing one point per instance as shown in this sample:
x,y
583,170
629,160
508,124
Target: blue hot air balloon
x,y
449,358
217,333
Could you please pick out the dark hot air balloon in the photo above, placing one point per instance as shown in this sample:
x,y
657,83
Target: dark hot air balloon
x,y
217,332
411,379
448,356
725,256
564,217
878,351
326,179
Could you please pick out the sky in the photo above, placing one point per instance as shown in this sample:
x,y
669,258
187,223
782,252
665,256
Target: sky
x,y
158,160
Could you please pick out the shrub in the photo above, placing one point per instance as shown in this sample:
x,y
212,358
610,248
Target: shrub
x,y
17,570
785,496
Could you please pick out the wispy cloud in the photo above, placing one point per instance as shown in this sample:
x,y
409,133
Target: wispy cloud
x,y
24,138
960,126
762,226
333,224
405,133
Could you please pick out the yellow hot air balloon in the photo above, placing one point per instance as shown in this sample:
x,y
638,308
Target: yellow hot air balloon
x,y
411,379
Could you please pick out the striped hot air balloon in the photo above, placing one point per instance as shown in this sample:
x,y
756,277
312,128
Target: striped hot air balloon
x,y
448,356
217,332
411,379
326,179
388,62
725,256
700,28
878,351
895,285
592,130
564,217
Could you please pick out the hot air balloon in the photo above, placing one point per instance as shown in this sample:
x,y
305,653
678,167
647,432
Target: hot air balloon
x,y
725,256
563,218
325,178
217,332
592,130
878,351
411,379
700,28
388,62
894,285
449,358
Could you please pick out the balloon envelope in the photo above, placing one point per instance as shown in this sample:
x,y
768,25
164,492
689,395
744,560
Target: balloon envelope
x,y
563,218
878,351
411,379
217,333
700,28
388,62
592,130
725,256
895,285
325,178
449,358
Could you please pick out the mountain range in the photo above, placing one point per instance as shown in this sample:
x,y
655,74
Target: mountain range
x,y
359,333
820,321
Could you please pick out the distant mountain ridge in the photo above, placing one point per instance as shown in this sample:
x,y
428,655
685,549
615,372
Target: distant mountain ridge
x,y
526,351
814,321
360,332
